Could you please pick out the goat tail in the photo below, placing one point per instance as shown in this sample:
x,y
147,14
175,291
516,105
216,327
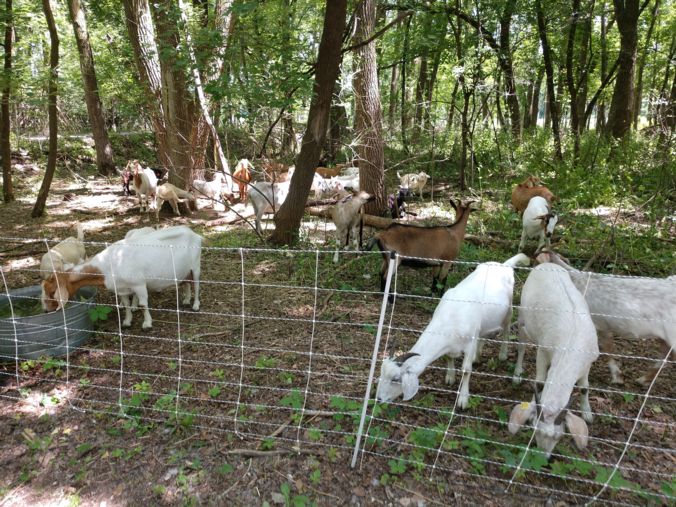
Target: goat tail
x,y
80,232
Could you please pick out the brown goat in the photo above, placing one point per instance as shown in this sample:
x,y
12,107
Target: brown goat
x,y
242,176
326,172
529,188
417,246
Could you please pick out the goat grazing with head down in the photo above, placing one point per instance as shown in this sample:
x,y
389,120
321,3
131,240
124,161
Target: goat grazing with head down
x,y
538,222
173,195
242,176
630,307
554,315
416,246
526,190
144,261
479,307
415,182
347,215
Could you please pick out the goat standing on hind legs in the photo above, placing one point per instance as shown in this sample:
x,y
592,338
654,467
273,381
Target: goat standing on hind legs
x,y
436,246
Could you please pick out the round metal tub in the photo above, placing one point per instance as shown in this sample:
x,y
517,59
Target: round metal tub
x,y
45,334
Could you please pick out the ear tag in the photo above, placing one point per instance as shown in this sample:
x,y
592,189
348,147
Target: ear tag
x,y
524,405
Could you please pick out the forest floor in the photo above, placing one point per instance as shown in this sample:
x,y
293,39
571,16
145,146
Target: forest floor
x,y
255,398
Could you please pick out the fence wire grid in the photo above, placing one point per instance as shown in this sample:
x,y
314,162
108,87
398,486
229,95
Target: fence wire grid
x,y
286,351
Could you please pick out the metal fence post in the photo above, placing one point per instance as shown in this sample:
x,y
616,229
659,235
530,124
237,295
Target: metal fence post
x,y
374,358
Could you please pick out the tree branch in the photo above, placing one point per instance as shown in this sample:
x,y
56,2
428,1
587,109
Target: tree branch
x,y
384,29
606,82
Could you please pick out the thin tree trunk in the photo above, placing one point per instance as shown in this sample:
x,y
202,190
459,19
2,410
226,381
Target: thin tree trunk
x,y
535,99
404,110
104,150
549,70
619,119
287,219
601,109
638,96
368,111
392,109
5,148
505,57
39,208
570,78
431,82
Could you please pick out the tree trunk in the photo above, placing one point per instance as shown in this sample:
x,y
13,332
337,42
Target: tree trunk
x,y
638,96
404,101
104,151
5,149
549,70
505,58
601,109
391,111
368,111
431,82
289,145
535,99
619,119
146,59
202,100
39,208
287,219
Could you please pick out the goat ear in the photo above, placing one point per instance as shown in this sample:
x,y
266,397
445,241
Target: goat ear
x,y
409,385
61,296
544,218
577,429
521,413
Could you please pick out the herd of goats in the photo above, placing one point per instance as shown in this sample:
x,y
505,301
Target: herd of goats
x,y
567,314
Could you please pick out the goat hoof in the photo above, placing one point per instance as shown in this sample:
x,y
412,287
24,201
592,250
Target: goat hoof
x,y
463,401
516,379
146,326
618,380
196,307
643,381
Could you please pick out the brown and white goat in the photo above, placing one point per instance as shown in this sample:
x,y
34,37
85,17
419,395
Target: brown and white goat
x,y
242,176
143,262
527,189
417,246
145,186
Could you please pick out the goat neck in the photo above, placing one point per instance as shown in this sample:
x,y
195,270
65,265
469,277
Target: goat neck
x,y
462,215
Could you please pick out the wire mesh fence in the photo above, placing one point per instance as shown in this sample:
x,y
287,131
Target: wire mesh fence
x,y
286,349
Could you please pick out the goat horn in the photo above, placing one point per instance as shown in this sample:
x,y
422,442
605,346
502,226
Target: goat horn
x,y
562,415
402,359
537,397
455,207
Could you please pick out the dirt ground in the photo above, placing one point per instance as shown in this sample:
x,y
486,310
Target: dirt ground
x,y
255,398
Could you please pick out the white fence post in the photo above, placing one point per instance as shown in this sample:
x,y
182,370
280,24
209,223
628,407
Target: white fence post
x,y
374,358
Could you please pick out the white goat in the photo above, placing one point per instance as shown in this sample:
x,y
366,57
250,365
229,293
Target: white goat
x,y
538,222
347,216
554,315
64,255
172,194
150,261
480,306
145,185
633,308
267,198
347,182
415,182
212,190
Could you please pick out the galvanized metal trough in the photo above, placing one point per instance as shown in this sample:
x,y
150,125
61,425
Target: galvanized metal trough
x,y
45,334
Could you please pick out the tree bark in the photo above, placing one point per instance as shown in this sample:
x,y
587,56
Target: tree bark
x,y
549,71
619,119
505,58
287,219
368,111
638,96
5,148
404,109
39,208
146,58
104,150
535,99
601,110
392,109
